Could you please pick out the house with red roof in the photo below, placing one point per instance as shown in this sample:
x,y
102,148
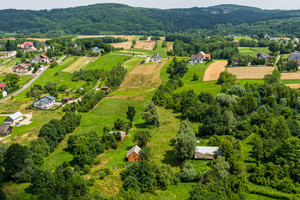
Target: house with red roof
x,y
27,45
2,85
207,56
44,58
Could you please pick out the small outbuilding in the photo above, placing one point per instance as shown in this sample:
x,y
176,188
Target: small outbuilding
x,y
133,155
5,130
123,134
206,153
105,88
18,116
66,99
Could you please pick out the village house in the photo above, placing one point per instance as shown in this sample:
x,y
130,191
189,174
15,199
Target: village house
x,y
295,55
35,60
197,58
4,93
96,49
155,58
5,130
207,56
263,55
44,102
2,86
12,119
123,134
206,153
27,45
22,68
134,154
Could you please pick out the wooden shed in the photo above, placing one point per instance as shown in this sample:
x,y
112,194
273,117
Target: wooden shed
x,y
133,155
5,130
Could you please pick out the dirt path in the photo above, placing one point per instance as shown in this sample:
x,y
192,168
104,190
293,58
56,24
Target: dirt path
x,y
212,73
250,72
143,76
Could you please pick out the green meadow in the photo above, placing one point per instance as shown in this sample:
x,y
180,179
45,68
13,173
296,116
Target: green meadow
x,y
253,51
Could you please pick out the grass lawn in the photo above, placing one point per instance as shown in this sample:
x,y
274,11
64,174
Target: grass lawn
x,y
198,86
107,61
23,79
251,81
253,51
291,81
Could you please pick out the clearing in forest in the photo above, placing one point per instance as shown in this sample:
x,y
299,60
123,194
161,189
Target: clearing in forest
x,y
79,64
250,72
212,73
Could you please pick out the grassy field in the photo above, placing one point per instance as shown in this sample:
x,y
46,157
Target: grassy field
x,y
199,85
107,61
79,64
253,51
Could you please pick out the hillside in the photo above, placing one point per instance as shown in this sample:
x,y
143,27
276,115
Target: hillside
x,y
124,19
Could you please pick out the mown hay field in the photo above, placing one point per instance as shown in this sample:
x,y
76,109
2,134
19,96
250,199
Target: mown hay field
x,y
212,73
250,72
79,64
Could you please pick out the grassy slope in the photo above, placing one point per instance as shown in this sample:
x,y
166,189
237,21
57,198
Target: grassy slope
x,y
107,61
199,85
253,51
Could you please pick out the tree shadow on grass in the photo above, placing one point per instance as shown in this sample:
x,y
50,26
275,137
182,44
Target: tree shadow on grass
x,y
170,156
141,125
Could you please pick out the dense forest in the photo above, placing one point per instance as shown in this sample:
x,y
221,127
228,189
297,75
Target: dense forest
x,y
122,19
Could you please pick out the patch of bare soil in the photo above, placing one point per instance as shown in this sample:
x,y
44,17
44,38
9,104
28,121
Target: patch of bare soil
x,y
295,86
212,73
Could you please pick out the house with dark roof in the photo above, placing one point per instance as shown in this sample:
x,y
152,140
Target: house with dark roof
x,y
5,130
133,155
263,55
295,55
206,153
11,119
155,58
196,59
44,102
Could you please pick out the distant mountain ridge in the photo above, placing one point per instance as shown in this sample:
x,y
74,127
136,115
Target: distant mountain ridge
x,y
124,19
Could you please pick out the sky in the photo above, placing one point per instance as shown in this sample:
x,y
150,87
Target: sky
x,y
49,4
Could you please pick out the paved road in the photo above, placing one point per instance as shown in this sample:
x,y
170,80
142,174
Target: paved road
x,y
31,81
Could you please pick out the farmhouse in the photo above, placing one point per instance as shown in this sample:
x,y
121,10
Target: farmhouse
x,y
4,93
207,56
123,134
27,45
96,49
43,58
196,59
35,60
155,58
18,116
206,153
2,86
22,68
45,102
263,55
295,55
134,154
5,130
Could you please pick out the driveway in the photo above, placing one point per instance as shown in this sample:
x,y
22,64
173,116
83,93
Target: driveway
x,y
31,81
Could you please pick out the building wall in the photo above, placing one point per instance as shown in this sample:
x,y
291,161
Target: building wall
x,y
134,157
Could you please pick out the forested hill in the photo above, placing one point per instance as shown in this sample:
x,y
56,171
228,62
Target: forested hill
x,y
127,20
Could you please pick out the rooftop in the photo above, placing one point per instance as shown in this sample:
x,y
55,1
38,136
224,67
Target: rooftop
x,y
136,149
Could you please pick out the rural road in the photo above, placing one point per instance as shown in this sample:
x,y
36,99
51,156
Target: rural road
x,y
31,81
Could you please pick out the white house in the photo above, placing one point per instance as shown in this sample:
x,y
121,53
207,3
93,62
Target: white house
x,y
155,58
44,102
206,153
96,49
18,116
4,93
